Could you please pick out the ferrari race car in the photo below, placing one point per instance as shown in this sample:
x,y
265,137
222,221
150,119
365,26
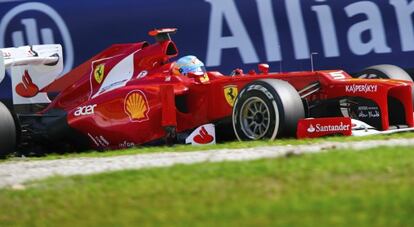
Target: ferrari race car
x,y
127,95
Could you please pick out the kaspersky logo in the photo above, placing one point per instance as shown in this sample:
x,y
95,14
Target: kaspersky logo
x,y
35,23
328,128
136,106
361,88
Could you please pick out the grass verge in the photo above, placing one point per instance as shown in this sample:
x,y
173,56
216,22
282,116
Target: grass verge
x,y
232,145
370,188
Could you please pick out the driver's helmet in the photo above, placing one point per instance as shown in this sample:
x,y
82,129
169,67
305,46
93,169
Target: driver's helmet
x,y
189,64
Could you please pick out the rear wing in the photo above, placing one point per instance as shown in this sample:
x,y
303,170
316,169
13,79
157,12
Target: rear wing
x,y
31,69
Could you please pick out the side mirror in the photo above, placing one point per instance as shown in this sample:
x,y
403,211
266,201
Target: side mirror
x,y
264,68
199,78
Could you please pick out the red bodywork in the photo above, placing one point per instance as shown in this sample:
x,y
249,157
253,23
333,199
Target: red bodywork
x,y
147,98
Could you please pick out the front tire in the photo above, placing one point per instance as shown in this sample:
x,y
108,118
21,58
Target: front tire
x,y
7,132
266,109
386,72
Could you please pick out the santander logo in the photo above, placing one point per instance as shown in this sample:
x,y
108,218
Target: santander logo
x,y
328,128
311,129
203,137
205,134
27,88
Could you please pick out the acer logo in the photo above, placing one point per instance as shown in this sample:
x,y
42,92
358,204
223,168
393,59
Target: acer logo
x,y
85,110
363,88
328,128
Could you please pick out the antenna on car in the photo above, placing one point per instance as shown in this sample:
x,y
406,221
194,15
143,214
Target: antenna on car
x,y
162,34
311,59
281,59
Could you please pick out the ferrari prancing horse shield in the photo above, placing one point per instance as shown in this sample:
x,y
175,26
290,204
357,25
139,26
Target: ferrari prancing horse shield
x,y
230,93
98,73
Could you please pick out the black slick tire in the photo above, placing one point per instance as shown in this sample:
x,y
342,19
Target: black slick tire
x,y
266,109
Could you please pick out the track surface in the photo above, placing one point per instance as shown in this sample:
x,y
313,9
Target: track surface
x,y
14,173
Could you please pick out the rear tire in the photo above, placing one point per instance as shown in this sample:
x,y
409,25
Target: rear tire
x,y
7,132
266,109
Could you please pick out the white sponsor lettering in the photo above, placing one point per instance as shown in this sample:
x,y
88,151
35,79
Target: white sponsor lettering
x,y
85,110
6,54
404,12
103,140
368,112
126,144
226,10
99,141
260,88
361,88
338,75
373,25
93,139
327,30
328,128
296,14
268,24
142,74
297,27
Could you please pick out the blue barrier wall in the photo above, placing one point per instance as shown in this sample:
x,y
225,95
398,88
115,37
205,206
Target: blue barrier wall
x,y
225,34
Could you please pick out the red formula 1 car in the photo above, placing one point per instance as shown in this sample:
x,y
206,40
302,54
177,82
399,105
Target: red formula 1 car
x,y
127,95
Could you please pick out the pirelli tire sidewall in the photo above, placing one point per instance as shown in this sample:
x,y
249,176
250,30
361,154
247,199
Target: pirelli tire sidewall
x,y
7,131
284,104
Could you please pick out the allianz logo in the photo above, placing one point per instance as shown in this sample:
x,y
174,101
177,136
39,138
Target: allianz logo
x,y
328,128
361,88
23,29
376,14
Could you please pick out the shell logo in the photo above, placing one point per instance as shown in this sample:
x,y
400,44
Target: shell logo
x,y
136,106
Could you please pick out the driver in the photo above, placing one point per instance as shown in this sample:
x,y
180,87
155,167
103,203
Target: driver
x,y
190,65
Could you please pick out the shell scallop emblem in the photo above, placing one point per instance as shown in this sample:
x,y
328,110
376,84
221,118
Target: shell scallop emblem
x,y
136,106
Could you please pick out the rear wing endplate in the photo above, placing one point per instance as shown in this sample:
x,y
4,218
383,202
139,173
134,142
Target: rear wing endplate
x,y
31,69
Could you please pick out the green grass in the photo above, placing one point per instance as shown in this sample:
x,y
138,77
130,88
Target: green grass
x,y
233,145
370,188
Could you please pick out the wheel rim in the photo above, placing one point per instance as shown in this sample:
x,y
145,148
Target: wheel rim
x,y
254,118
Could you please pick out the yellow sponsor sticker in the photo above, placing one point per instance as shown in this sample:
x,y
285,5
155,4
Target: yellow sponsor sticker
x,y
99,73
230,93
136,106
